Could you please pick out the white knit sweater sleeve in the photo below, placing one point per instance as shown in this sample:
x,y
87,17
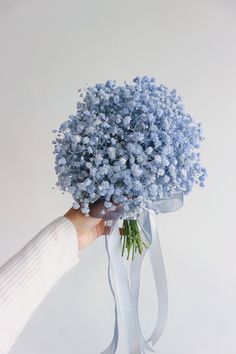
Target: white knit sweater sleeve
x,y
28,276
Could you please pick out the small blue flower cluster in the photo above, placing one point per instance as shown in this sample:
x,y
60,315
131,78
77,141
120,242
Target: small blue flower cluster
x,y
131,144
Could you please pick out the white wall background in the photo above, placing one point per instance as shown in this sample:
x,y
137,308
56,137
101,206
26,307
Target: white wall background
x,y
51,48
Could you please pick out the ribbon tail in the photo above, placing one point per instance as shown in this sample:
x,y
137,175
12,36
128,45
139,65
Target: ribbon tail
x,y
158,268
135,270
123,300
111,349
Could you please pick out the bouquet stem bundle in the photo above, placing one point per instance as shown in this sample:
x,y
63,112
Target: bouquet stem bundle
x,y
131,238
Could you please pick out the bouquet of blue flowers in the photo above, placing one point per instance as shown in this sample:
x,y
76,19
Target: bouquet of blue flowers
x,y
128,145
130,151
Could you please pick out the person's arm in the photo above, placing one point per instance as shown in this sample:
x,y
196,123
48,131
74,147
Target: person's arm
x,y
27,277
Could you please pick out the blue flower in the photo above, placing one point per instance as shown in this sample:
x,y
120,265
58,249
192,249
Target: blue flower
x,y
131,144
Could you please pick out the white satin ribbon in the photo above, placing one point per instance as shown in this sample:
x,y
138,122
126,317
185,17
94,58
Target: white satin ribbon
x,y
126,293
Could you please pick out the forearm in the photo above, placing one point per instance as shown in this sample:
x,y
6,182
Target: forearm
x,y
27,278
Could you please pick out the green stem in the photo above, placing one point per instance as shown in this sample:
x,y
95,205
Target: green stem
x,y
131,238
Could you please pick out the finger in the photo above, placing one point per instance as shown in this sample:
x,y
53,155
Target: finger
x,y
107,230
100,228
103,230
